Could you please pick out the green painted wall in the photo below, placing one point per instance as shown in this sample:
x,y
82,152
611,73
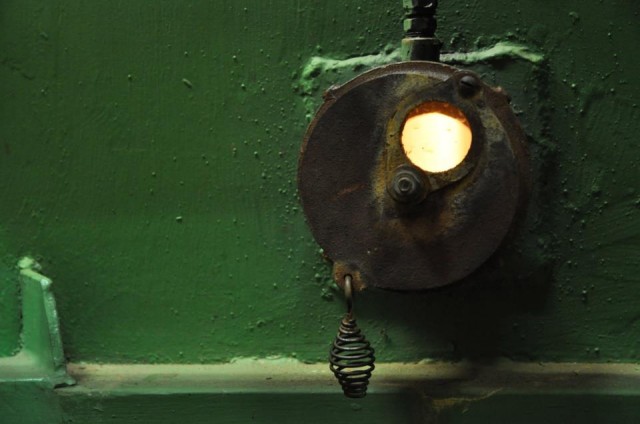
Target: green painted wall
x,y
148,154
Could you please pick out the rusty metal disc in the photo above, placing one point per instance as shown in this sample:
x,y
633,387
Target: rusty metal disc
x,y
352,150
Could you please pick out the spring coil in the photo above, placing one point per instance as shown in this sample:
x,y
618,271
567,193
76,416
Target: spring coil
x,y
351,357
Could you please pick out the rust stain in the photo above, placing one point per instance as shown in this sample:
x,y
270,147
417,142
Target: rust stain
x,y
348,190
341,270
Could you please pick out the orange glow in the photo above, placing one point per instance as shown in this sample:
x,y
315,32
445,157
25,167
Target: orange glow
x,y
436,136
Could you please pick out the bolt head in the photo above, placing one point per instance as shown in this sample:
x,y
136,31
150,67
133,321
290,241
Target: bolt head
x,y
407,186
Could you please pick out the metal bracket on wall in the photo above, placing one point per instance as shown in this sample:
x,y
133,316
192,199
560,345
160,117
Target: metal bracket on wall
x,y
41,357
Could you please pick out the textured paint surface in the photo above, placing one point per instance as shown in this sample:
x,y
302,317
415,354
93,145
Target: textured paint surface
x,y
285,390
9,302
390,409
148,154
29,403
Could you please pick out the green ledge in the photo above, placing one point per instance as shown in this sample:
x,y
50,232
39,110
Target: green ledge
x,y
37,387
286,391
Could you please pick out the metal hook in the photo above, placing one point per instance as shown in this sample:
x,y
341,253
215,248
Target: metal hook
x,y
348,294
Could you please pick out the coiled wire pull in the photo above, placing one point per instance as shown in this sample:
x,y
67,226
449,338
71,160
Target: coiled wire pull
x,y
351,357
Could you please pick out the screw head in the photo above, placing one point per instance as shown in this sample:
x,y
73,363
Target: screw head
x,y
468,86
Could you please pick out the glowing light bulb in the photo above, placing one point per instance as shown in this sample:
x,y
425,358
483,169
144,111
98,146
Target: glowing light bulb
x,y
436,136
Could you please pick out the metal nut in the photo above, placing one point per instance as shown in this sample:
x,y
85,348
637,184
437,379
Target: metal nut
x,y
407,186
423,26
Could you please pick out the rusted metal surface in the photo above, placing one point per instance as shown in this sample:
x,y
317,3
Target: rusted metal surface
x,y
351,156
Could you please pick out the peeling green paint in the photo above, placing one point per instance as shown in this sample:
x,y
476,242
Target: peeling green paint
x,y
501,50
316,71
320,69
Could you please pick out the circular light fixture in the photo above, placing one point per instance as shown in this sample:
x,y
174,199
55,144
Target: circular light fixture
x,y
436,136
411,175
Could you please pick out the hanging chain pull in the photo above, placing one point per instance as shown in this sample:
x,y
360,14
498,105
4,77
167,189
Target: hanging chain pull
x,y
351,359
